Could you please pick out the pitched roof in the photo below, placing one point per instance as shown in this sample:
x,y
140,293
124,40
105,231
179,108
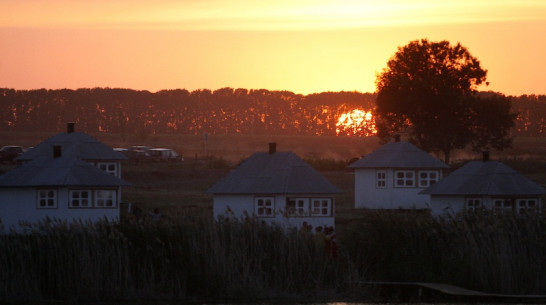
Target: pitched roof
x,y
61,171
398,155
485,178
76,144
276,173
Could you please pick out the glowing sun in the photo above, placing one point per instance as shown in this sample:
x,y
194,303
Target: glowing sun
x,y
356,123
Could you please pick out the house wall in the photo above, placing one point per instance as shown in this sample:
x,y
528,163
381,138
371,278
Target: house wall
x,y
367,195
451,205
19,205
237,206
446,205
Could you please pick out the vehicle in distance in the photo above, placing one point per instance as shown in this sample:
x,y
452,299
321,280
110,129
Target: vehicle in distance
x,y
10,152
164,154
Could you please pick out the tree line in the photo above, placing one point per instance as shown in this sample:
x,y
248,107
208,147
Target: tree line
x,y
222,111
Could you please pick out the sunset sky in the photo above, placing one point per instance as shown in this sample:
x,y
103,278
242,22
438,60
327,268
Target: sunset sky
x,y
304,46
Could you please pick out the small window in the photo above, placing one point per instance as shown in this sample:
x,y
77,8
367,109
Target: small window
x,y
473,204
47,199
264,207
381,179
503,205
527,205
105,198
404,178
109,167
428,178
80,199
297,207
321,207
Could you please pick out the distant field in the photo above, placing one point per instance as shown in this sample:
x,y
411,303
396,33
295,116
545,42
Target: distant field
x,y
234,148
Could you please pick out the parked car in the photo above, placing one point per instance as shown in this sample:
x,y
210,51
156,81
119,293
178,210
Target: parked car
x,y
134,153
10,152
164,154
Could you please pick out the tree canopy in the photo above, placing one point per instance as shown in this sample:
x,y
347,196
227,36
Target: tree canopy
x,y
428,93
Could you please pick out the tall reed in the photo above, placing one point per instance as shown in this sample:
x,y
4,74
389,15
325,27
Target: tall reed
x,y
483,251
188,258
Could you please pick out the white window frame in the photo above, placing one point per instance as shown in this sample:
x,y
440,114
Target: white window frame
x,y
427,180
503,205
46,198
77,195
473,204
407,176
109,167
321,207
381,179
101,198
300,206
527,205
264,206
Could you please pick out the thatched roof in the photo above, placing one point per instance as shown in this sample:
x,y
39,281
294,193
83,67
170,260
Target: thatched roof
x,y
274,173
398,155
485,178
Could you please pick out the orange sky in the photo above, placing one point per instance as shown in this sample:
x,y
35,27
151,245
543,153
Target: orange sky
x,y
304,46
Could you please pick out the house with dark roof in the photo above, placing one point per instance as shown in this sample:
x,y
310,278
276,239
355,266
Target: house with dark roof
x,y
64,181
392,176
276,187
484,184
81,146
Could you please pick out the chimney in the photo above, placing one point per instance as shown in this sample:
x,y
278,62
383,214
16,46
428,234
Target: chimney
x,y
70,127
396,138
485,156
272,148
57,151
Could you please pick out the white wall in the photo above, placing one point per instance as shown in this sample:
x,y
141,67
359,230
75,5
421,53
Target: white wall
x,y
19,204
367,195
239,204
446,205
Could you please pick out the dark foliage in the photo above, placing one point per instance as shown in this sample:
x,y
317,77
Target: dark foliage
x,y
428,92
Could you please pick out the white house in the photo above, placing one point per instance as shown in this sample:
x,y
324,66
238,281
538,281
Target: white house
x,y
81,146
70,176
58,187
276,187
484,184
392,176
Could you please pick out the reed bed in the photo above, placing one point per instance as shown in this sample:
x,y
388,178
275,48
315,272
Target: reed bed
x,y
484,251
192,257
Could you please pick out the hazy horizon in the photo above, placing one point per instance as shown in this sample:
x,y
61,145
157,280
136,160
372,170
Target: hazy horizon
x,y
299,46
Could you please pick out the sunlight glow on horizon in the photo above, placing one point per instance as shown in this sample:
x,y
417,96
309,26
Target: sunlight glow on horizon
x,y
303,46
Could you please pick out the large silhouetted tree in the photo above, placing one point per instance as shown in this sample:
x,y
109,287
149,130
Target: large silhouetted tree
x,y
428,92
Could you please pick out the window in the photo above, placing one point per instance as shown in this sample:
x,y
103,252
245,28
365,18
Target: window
x,y
47,199
527,205
297,206
109,167
404,178
473,204
381,179
502,205
105,198
428,178
321,207
263,206
80,199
